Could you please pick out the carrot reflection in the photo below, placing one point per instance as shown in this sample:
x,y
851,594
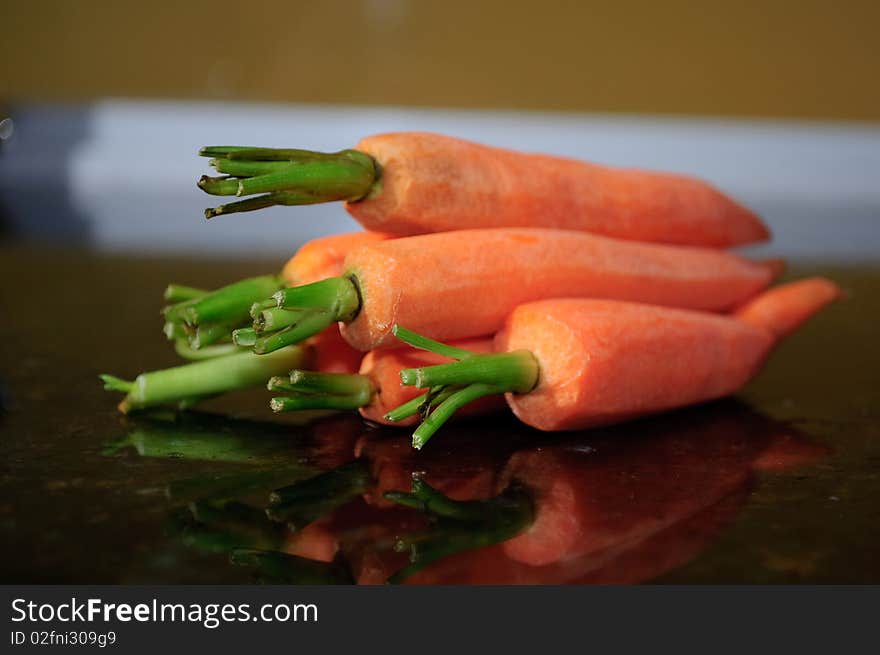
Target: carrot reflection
x,y
496,504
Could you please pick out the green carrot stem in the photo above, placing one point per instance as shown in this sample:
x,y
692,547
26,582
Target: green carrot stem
x,y
320,391
327,301
515,371
219,186
297,155
287,176
330,179
280,568
244,337
182,348
113,383
447,408
420,404
333,383
259,306
246,205
275,318
210,376
308,324
338,296
174,331
222,151
239,168
176,313
424,343
207,333
231,304
175,293
302,402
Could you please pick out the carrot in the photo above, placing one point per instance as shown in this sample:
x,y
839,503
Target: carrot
x,y
323,257
457,285
376,390
574,363
413,183
332,354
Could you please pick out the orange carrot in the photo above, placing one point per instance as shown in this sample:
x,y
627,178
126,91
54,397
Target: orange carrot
x,y
457,285
413,183
322,257
575,363
462,284
375,390
332,354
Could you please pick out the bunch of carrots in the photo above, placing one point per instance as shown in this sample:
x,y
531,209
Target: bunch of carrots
x,y
574,293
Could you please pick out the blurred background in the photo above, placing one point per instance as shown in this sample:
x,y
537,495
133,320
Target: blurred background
x,y
775,102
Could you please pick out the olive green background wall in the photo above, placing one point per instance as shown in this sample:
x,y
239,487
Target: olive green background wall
x,y
808,59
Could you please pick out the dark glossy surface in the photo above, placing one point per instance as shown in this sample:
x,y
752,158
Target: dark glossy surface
x,y
79,504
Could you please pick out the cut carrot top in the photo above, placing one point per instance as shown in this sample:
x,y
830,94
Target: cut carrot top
x,y
472,377
286,177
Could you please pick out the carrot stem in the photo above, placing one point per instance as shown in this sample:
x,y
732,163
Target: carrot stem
x,y
113,383
245,337
175,293
184,350
222,151
275,318
459,383
336,295
301,402
424,343
258,307
203,378
238,168
247,205
319,304
174,331
308,324
447,408
207,334
308,177
515,371
312,390
294,155
332,383
232,303
420,404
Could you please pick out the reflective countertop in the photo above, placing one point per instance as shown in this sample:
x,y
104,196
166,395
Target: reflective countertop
x,y
778,485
